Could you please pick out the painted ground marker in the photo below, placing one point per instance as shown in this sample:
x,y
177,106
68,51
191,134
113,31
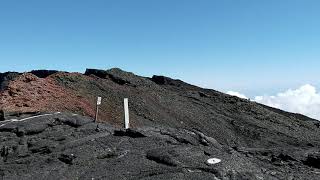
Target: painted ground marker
x,y
212,161
25,119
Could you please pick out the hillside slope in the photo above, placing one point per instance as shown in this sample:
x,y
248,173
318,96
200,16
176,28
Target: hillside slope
x,y
247,127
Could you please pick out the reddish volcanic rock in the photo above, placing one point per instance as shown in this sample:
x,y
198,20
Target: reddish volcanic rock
x,y
28,93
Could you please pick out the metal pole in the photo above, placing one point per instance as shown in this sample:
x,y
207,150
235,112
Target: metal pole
x,y
126,114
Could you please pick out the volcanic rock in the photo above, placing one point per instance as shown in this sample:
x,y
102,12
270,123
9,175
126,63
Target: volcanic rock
x,y
176,129
43,73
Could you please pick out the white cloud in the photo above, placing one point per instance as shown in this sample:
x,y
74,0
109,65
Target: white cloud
x,y
233,93
304,100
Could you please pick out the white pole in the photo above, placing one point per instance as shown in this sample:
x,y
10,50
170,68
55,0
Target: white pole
x,y
97,108
126,113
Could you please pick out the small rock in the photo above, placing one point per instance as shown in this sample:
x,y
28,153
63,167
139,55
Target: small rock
x,y
66,158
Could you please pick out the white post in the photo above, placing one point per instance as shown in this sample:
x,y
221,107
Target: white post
x,y
126,113
97,108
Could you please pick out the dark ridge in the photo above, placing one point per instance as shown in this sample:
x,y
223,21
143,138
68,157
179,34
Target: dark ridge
x,y
5,78
43,73
119,76
162,80
97,72
106,74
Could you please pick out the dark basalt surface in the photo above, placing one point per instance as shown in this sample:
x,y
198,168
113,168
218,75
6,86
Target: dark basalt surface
x,y
70,146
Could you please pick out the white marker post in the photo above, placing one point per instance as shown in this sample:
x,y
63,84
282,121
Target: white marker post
x,y
97,108
126,114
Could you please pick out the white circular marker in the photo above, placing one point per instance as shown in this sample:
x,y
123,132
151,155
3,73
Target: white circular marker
x,y
213,161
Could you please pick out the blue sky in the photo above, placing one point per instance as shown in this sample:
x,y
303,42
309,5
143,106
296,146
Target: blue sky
x,y
251,46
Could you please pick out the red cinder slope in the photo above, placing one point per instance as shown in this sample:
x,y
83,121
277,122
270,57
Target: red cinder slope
x,y
28,93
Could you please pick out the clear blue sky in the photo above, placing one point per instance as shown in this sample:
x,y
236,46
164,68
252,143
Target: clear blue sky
x,y
251,46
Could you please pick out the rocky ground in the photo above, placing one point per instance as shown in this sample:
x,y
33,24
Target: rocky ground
x,y
70,146
177,128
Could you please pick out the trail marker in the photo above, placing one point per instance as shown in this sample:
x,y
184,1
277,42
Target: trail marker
x,y
213,161
126,114
99,101
97,108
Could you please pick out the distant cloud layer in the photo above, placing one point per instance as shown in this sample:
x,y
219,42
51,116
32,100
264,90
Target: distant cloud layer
x,y
234,93
304,100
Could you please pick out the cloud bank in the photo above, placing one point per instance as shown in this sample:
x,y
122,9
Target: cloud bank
x,y
234,93
304,100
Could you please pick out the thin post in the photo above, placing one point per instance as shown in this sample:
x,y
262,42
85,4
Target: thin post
x,y
126,114
97,109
